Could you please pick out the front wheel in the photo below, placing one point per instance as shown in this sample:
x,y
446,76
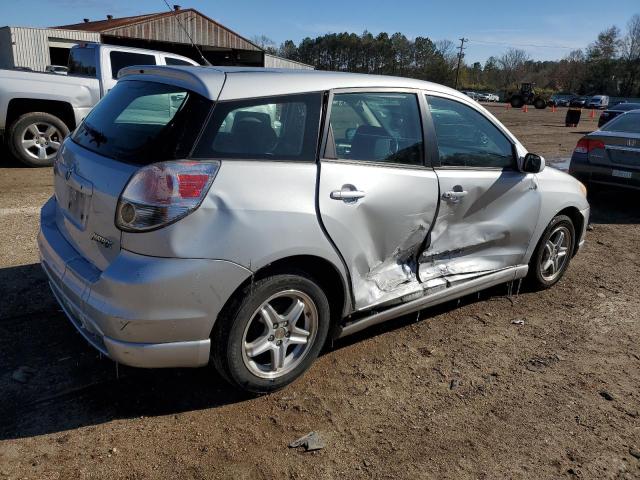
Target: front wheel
x,y
271,332
517,101
553,253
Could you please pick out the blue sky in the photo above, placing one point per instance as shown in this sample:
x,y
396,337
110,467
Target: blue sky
x,y
490,26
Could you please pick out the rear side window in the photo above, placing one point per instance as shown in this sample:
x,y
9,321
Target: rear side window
x,y
176,61
377,127
279,128
144,122
82,61
120,60
628,123
466,138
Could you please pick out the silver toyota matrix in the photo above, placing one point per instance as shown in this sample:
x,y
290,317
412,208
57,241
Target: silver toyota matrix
x,y
246,215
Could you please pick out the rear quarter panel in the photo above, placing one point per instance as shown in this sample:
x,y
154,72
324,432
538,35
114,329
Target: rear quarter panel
x,y
255,213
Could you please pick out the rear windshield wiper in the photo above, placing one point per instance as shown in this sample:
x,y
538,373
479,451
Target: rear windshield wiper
x,y
97,136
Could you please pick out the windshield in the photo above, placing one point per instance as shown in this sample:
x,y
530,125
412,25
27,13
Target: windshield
x,y
144,122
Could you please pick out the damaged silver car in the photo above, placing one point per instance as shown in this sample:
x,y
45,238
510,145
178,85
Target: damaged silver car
x,y
248,215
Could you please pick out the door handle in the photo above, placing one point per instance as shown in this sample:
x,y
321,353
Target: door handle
x,y
347,194
454,195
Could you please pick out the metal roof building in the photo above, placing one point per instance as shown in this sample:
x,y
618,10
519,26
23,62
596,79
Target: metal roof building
x,y
35,48
170,31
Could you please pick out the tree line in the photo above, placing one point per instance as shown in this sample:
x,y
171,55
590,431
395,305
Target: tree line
x,y
609,65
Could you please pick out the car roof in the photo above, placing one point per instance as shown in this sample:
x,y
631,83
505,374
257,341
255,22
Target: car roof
x,y
622,107
248,82
607,126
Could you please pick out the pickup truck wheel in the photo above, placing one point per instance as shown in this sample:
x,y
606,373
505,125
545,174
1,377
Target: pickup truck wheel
x,y
271,333
35,138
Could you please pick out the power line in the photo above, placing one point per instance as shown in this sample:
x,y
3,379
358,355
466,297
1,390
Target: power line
x,y
460,55
193,44
562,47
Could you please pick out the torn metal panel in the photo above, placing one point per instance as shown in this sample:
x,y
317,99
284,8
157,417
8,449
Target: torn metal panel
x,y
381,233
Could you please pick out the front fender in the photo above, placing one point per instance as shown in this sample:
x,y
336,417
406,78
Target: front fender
x,y
558,191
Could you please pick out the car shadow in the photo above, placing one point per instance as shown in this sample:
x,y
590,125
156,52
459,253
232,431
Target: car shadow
x,y
51,379
611,205
7,160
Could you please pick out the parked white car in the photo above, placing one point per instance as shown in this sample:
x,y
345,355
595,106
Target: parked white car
x,y
599,102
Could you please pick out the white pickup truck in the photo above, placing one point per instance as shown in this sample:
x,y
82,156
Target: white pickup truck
x,y
37,110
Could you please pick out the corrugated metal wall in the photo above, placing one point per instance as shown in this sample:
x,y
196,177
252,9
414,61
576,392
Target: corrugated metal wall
x,y
271,61
203,31
30,46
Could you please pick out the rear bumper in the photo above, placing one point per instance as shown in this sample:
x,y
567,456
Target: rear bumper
x,y
595,174
140,311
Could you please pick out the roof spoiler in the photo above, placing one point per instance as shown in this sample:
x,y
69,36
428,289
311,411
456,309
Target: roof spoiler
x,y
205,81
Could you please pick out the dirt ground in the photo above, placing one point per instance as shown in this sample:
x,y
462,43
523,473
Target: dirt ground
x,y
457,392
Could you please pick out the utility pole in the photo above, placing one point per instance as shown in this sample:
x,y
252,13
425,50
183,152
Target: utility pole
x,y
460,55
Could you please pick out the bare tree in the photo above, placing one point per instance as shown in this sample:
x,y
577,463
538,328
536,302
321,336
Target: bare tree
x,y
265,43
630,56
512,63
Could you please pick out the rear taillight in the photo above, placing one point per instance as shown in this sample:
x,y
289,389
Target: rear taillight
x,y
586,145
161,193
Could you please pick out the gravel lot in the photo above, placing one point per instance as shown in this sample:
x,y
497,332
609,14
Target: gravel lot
x,y
455,392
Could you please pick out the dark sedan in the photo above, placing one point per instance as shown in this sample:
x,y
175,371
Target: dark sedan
x,y
611,155
561,99
616,110
579,102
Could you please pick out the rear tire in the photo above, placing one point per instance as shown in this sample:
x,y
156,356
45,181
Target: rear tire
x,y
552,256
271,332
35,138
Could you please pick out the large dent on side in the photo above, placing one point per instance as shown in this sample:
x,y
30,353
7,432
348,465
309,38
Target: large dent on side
x,y
396,275
488,230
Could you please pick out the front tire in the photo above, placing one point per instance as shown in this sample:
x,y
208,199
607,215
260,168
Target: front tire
x,y
271,332
517,101
540,104
35,138
553,253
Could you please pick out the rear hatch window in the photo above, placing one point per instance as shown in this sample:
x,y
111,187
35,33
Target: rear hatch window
x,y
144,122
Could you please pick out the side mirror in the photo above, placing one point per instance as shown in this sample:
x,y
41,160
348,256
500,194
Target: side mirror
x,y
533,163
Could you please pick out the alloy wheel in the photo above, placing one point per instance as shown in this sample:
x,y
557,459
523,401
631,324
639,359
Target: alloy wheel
x,y
555,254
41,140
280,334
